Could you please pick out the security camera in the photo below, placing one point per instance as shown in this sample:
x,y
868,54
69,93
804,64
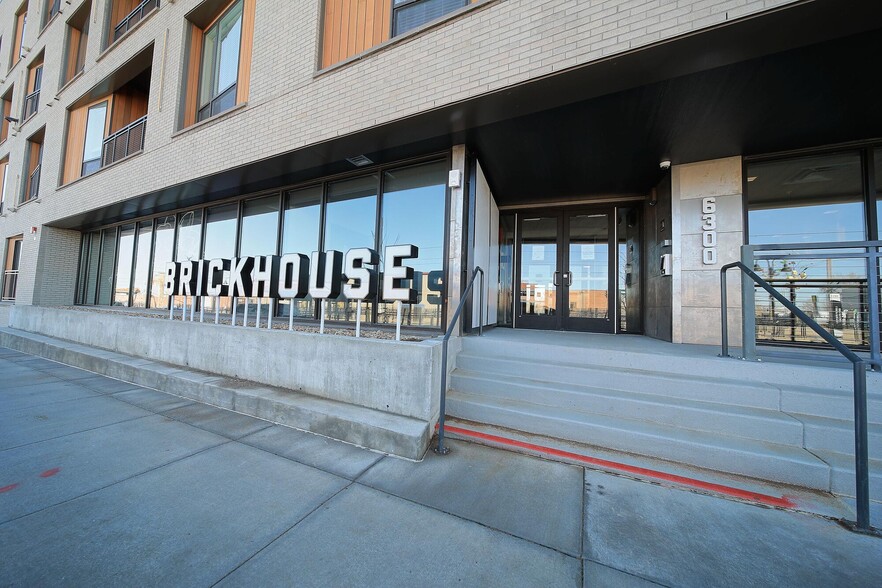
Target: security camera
x,y
665,164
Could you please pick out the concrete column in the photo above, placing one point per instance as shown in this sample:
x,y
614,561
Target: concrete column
x,y
696,293
455,233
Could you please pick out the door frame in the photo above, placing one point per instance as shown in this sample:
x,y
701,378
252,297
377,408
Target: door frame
x,y
560,321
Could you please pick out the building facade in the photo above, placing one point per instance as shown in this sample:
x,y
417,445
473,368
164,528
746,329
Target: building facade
x,y
600,161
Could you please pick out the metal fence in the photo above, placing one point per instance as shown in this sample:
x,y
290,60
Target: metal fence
x,y
125,142
134,17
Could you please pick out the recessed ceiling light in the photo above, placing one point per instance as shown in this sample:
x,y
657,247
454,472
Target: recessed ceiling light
x,y
359,161
751,178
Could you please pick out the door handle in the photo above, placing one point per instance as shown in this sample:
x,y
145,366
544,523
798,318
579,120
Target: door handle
x,y
554,279
568,276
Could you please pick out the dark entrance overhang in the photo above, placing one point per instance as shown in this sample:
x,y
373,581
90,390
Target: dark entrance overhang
x,y
790,78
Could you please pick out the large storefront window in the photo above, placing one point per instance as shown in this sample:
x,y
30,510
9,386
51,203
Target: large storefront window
x,y
413,201
351,221
407,204
300,234
806,201
124,265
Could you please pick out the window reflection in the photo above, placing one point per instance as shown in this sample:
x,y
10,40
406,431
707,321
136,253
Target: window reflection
x,y
164,241
220,242
189,240
142,265
108,260
124,265
260,228
350,221
413,212
300,234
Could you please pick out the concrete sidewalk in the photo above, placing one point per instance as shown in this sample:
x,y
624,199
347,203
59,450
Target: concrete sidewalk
x,y
106,483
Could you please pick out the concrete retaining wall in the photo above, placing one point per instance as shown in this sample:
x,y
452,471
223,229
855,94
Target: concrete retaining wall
x,y
396,377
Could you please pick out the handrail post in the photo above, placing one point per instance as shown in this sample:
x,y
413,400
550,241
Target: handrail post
x,y
748,307
481,306
861,457
724,315
873,300
440,448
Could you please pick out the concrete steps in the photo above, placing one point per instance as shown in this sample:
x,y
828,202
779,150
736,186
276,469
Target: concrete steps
x,y
366,427
757,459
780,422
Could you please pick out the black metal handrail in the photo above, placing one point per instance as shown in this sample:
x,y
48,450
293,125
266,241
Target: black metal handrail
x,y
126,141
134,17
440,449
862,474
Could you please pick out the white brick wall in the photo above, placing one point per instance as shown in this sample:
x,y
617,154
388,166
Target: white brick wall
x,y
494,46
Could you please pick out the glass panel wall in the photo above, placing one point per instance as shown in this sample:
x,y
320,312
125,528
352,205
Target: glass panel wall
x,y
806,200
108,262
351,221
877,173
220,242
300,234
124,265
142,264
189,241
413,201
163,247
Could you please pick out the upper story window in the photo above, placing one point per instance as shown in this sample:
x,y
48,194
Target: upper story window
x,y
6,102
125,14
18,49
76,41
106,127
35,82
4,173
50,9
221,45
10,271
34,156
219,67
410,14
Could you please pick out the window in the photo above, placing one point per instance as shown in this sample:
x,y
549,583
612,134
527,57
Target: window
x,y
34,155
220,63
10,273
125,252
410,14
18,50
35,82
141,273
106,130
50,9
4,174
105,268
300,234
163,247
219,67
76,42
7,111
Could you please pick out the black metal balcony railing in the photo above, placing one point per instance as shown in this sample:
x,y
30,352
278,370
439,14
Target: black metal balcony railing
x,y
34,183
32,104
10,279
125,142
134,17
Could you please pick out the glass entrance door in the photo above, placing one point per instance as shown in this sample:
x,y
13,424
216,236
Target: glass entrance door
x,y
565,271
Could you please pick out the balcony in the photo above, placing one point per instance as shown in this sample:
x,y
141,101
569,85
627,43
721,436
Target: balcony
x,y
134,17
32,104
10,280
127,141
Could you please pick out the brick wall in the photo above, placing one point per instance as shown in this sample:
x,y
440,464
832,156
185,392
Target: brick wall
x,y
499,43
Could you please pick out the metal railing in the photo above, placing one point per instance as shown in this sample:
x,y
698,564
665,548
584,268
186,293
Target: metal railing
x,y
440,449
134,17
126,141
862,475
32,104
10,280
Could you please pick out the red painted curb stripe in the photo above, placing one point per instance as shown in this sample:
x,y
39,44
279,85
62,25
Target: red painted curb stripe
x,y
50,473
780,501
8,488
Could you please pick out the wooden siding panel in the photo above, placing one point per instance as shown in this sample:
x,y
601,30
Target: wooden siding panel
x,y
245,51
76,142
195,57
353,26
